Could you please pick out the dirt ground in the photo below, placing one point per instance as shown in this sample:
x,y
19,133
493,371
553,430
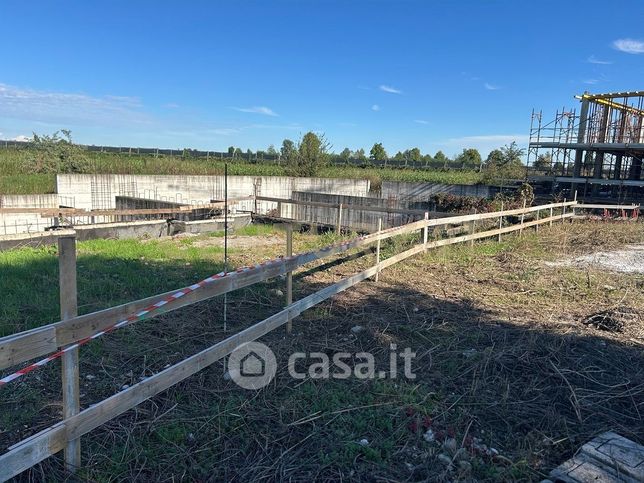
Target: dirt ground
x,y
520,359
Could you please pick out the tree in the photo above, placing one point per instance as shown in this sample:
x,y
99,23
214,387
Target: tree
x,y
512,154
504,164
378,152
360,154
441,159
345,155
287,150
469,158
494,158
543,163
310,156
271,151
57,153
413,154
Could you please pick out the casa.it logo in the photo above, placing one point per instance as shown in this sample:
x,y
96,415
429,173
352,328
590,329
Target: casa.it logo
x,y
252,365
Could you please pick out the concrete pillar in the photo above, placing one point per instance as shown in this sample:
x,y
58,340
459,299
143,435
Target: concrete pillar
x,y
581,135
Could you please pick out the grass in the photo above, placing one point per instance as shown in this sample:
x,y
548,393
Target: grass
x,y
16,178
494,329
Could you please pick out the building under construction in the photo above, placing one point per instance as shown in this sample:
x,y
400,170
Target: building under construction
x,y
596,151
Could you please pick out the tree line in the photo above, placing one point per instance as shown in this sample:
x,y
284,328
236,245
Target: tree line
x,y
312,152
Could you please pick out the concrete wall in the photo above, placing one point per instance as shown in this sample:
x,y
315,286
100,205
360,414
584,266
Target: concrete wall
x,y
29,201
353,218
11,223
100,191
422,191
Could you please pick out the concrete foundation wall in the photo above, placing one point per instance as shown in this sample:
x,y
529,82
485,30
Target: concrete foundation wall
x,y
100,191
29,201
11,223
422,191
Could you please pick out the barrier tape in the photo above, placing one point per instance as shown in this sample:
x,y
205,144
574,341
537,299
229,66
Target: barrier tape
x,y
151,308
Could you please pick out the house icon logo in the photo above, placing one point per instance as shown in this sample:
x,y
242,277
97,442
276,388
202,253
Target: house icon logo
x,y
252,365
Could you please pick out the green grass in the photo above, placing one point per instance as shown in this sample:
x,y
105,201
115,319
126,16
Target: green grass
x,y
16,166
256,229
22,184
110,272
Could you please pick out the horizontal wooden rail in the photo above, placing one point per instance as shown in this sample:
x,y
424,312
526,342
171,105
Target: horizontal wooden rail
x,y
322,204
584,206
49,212
38,447
27,345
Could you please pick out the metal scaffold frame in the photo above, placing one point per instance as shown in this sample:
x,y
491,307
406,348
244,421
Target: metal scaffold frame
x,y
601,146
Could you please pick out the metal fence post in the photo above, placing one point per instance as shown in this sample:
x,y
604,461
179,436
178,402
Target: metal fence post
x,y
70,376
339,227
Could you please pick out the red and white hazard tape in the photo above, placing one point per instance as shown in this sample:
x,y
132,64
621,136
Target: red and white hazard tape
x,y
146,311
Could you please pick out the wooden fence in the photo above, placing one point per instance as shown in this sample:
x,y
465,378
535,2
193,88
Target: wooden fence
x,y
72,328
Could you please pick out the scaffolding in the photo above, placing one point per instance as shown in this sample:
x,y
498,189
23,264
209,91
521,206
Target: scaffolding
x,y
601,146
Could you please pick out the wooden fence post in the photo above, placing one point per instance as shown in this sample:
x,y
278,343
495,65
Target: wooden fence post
x,y
522,218
339,227
289,275
70,376
472,229
501,220
564,208
378,248
426,230
550,216
536,227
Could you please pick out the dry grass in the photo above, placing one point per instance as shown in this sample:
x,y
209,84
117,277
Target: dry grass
x,y
504,360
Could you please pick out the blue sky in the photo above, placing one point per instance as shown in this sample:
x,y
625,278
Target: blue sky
x,y
205,74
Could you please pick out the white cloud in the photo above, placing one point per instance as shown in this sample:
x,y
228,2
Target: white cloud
x,y
69,108
375,107
257,110
594,60
21,137
389,89
590,81
630,46
491,87
421,121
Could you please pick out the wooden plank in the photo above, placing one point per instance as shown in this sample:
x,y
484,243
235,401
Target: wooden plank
x,y
612,450
32,343
606,458
322,204
606,207
49,212
77,328
69,360
32,450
